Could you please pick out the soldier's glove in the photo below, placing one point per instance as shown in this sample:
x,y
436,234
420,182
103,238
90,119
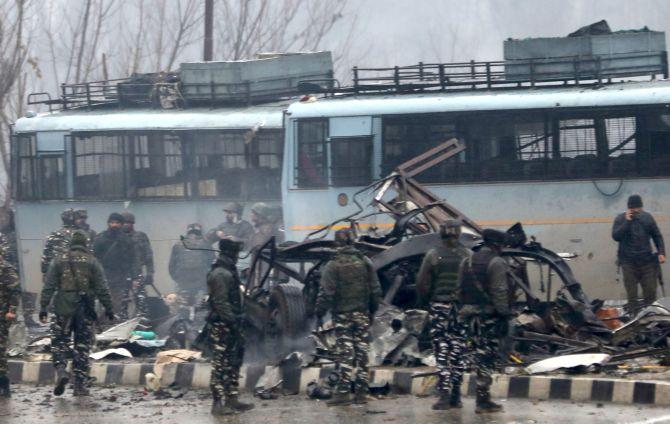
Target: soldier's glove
x,y
43,316
110,314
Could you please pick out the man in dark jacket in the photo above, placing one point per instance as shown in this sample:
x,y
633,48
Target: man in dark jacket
x,y
226,336
485,311
634,230
116,252
10,293
77,279
350,289
190,264
145,262
439,286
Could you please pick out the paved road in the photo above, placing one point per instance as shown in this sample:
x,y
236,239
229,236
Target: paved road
x,y
123,405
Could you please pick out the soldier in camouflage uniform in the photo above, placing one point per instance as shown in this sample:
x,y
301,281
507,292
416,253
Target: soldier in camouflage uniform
x,y
234,227
10,292
116,252
59,241
350,289
74,280
189,264
226,336
80,217
486,312
438,286
145,261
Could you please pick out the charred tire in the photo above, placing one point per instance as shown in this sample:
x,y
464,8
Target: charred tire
x,y
287,310
285,321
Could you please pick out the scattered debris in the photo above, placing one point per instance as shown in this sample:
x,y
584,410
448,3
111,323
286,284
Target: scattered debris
x,y
567,362
118,352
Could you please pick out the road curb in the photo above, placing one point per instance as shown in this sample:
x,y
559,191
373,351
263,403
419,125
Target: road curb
x,y
295,380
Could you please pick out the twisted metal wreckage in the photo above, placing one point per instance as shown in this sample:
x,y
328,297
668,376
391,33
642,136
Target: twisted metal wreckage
x,y
281,284
564,324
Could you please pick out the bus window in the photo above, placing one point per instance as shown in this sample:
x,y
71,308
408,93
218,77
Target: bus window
x,y
267,147
312,153
221,163
350,162
99,166
621,136
26,184
158,169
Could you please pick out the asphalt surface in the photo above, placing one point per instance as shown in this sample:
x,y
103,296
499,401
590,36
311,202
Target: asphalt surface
x,y
32,404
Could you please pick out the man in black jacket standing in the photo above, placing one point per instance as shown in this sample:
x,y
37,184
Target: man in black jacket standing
x,y
633,230
116,252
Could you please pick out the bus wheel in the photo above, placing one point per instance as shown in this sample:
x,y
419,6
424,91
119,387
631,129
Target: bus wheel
x,y
286,319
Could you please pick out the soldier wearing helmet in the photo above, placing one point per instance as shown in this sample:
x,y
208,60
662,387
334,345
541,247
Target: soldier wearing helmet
x,y
59,241
189,264
438,287
226,333
234,227
80,218
266,224
350,290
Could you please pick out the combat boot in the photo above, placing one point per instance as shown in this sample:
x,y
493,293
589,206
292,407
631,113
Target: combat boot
x,y
218,409
234,403
455,398
80,389
62,378
340,399
485,405
4,387
443,403
361,397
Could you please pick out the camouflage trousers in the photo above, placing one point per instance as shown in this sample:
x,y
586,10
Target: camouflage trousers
x,y
352,332
227,355
484,340
449,344
62,329
140,297
4,344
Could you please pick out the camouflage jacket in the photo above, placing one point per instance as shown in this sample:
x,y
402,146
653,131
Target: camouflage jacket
x,y
145,255
225,297
8,249
349,283
10,289
73,276
57,242
439,278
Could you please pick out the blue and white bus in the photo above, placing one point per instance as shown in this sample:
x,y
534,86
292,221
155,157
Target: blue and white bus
x,y
169,167
562,160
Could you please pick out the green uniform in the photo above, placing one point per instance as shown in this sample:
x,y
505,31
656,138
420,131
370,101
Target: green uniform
x,y
485,311
439,285
350,289
10,292
74,280
145,262
225,303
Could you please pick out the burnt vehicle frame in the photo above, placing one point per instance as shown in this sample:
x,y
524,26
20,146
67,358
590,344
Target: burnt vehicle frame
x,y
282,281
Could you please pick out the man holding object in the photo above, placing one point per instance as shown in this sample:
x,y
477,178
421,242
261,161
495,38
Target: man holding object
x,y
633,230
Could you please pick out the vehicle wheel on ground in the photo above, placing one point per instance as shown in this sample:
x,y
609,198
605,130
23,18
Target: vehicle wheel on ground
x,y
286,319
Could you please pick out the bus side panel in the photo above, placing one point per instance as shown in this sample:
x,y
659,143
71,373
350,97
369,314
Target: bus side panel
x,y
571,217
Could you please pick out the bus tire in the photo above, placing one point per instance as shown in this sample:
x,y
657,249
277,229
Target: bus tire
x,y
287,310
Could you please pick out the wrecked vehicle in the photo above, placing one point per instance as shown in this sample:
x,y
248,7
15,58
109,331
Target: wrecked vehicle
x,y
282,282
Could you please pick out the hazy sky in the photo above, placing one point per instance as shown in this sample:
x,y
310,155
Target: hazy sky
x,y
403,32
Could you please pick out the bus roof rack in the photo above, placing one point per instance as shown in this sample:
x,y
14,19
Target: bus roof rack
x,y
576,70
